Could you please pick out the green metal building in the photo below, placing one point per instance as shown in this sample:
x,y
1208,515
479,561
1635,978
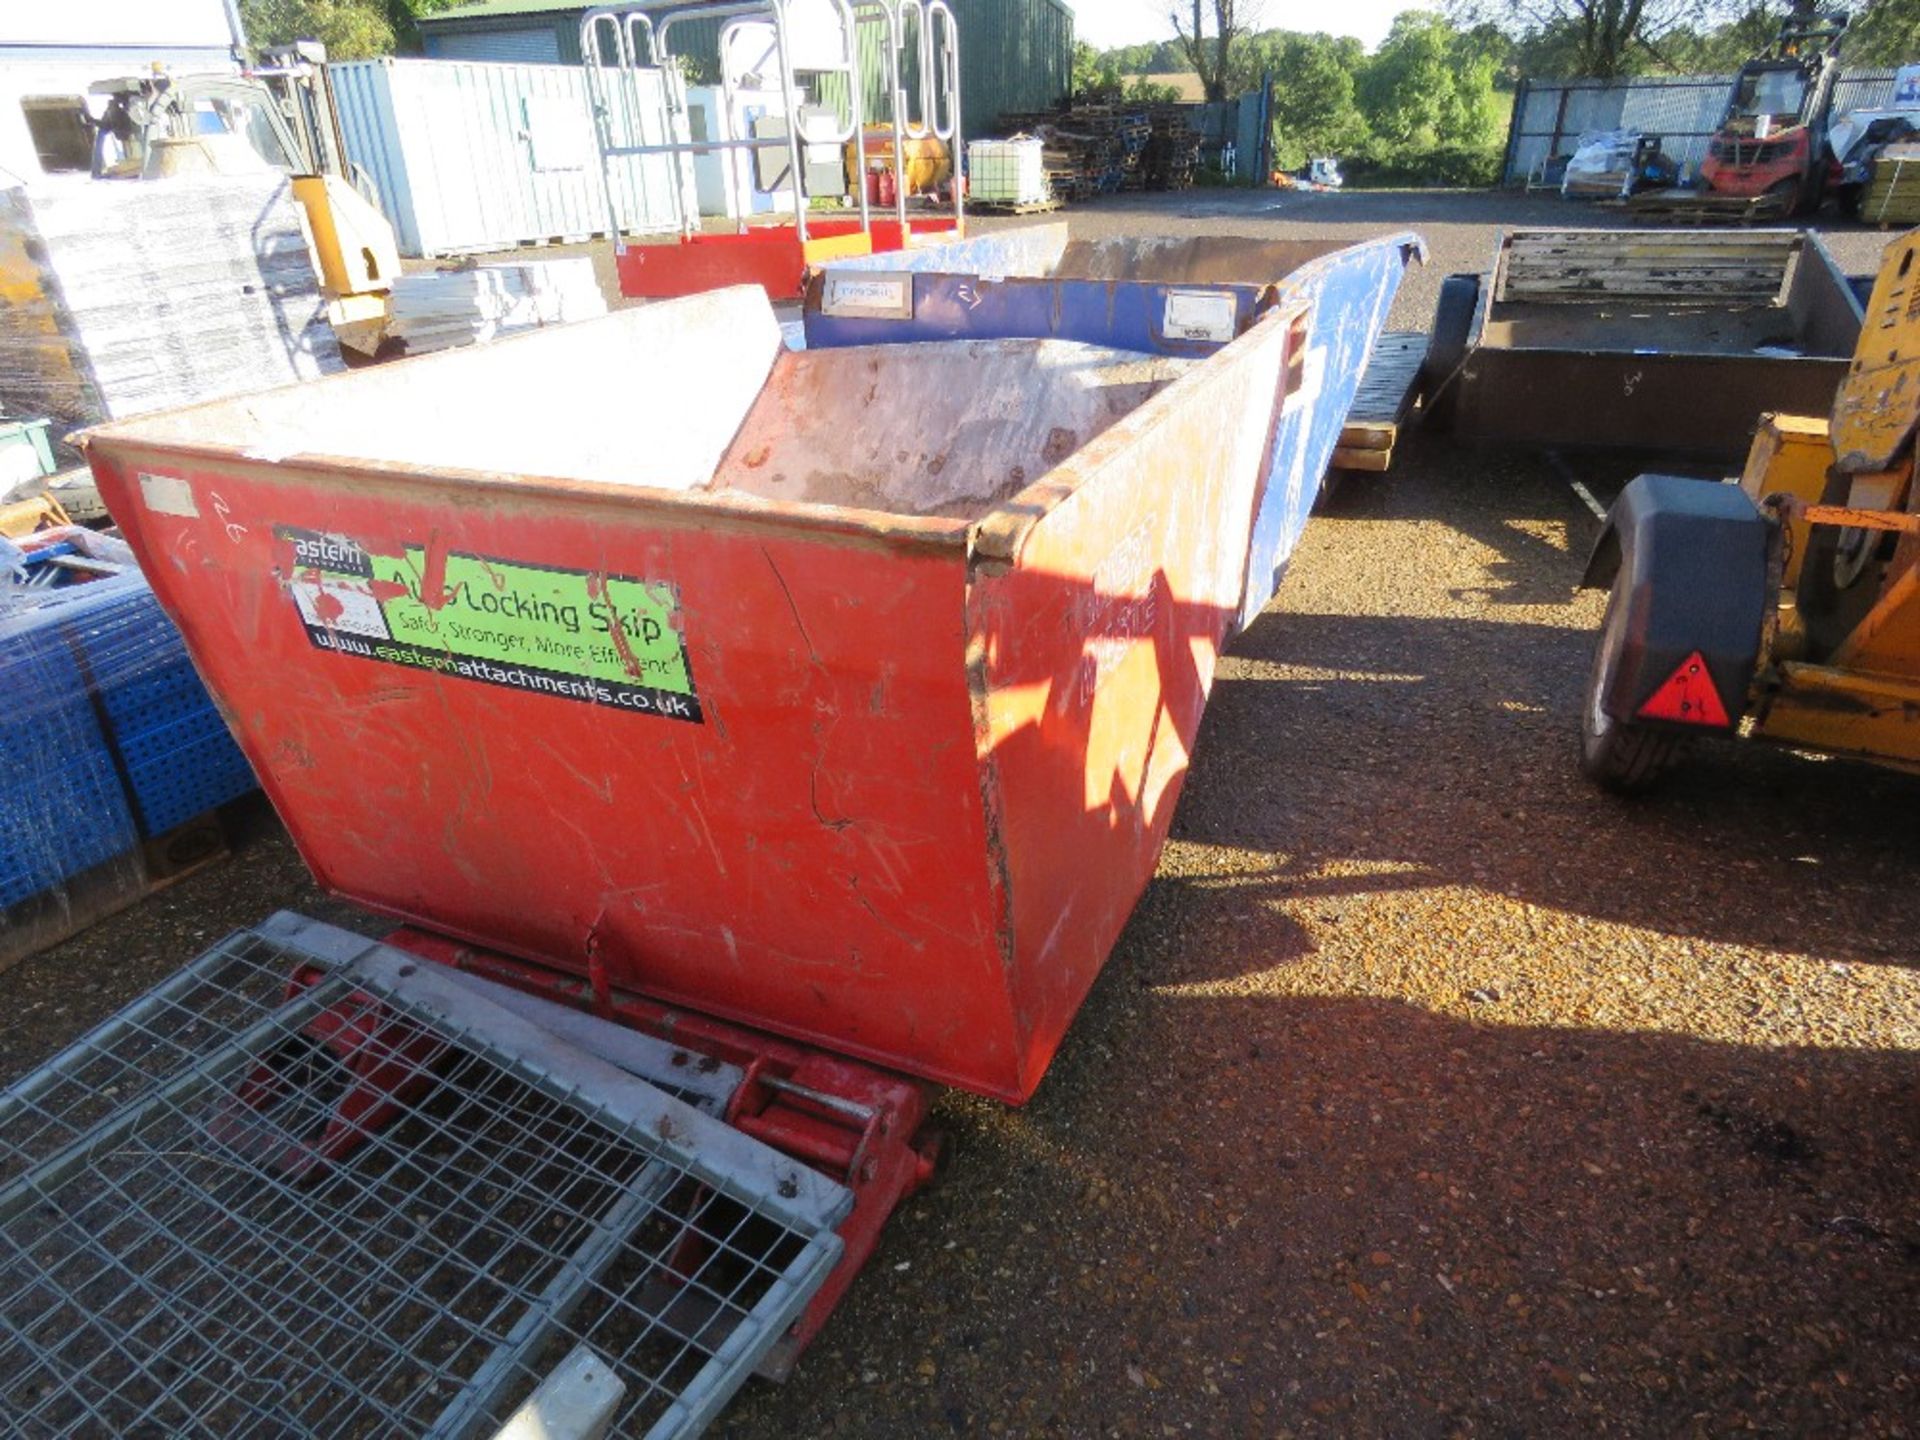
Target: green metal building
x,y
1015,55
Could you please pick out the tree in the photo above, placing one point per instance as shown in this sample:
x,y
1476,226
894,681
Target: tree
x,y
1095,75
1887,33
1088,70
1604,39
1429,86
350,29
1212,56
1314,111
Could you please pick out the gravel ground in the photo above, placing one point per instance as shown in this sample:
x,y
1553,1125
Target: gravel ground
x,y
1429,1091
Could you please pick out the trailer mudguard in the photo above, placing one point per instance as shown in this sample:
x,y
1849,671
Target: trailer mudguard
x,y
1689,560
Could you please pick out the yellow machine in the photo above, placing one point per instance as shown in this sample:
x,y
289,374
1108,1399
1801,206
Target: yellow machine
x,y
1785,608
21,518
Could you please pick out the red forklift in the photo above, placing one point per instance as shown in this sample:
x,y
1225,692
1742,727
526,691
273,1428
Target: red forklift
x,y
1772,143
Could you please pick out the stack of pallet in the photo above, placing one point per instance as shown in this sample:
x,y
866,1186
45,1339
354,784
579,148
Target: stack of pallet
x,y
1099,149
133,296
1073,159
1127,133
484,302
1173,150
1074,162
1893,192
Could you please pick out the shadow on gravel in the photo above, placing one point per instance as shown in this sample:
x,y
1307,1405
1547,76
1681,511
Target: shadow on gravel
x,y
1352,1216
1513,500
1442,751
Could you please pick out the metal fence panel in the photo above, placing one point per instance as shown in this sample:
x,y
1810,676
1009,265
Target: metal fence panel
x,y
382,1203
1683,110
1866,90
1247,135
471,156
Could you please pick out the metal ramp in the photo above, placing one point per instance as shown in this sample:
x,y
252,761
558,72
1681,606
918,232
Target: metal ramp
x,y
1385,398
315,1186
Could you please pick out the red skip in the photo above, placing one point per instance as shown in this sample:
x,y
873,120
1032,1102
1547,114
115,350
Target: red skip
x,y
1688,697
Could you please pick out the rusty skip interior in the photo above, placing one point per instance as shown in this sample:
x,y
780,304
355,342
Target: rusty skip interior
x,y
699,395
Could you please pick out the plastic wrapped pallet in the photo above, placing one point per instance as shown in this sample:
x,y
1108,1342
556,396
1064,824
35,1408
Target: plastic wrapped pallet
x,y
459,307
1602,164
108,740
121,297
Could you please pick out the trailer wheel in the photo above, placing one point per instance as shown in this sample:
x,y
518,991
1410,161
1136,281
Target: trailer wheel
x,y
1616,754
1447,348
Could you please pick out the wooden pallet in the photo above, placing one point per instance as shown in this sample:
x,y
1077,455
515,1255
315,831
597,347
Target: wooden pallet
x,y
1698,207
44,920
1384,400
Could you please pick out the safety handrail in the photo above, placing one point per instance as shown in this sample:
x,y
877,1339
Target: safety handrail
x,y
886,12
611,37
943,44
903,114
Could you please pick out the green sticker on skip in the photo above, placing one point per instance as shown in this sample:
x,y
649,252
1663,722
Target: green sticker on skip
x,y
573,634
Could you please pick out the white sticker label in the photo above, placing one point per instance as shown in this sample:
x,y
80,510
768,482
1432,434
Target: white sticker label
x,y
168,494
1200,315
869,296
339,607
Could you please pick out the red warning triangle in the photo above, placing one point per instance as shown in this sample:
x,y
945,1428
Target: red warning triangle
x,y
1688,697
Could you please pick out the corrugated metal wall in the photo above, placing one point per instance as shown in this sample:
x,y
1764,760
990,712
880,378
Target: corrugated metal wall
x,y
473,156
1683,110
1015,55
531,46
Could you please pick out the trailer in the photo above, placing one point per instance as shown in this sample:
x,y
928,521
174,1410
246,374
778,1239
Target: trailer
x,y
1669,340
732,775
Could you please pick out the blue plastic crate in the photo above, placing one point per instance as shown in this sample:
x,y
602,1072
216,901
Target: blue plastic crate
x,y
106,733
174,749
183,769
62,806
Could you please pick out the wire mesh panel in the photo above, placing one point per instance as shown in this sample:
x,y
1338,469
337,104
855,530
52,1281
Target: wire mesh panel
x,y
374,1202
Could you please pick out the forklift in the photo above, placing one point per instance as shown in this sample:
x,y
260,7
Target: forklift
x,y
1772,142
1785,607
277,115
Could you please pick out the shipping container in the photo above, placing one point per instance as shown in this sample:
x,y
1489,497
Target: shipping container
x,y
470,156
